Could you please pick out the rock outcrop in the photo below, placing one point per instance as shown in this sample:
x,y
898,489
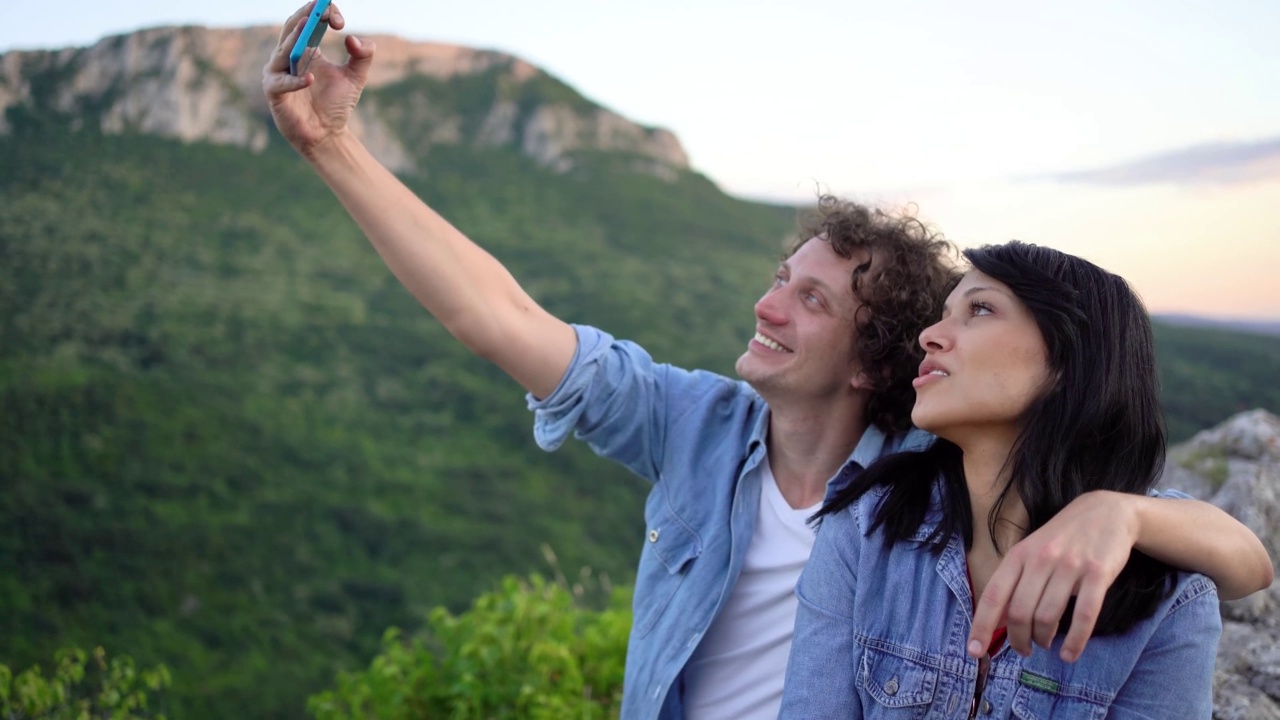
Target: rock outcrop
x,y
1236,466
195,83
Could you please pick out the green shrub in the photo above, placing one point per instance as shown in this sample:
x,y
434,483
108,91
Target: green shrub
x,y
117,690
531,649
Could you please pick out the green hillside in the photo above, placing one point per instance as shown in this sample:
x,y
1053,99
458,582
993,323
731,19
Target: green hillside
x,y
1209,374
232,443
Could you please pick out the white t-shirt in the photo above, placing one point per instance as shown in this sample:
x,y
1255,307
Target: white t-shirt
x,y
738,668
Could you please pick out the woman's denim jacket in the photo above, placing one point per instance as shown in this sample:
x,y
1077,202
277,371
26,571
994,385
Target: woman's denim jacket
x,y
881,631
694,435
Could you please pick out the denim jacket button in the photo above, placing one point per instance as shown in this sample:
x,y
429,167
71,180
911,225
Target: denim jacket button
x,y
986,707
891,687
653,535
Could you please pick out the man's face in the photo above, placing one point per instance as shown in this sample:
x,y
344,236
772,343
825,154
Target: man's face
x,y
803,346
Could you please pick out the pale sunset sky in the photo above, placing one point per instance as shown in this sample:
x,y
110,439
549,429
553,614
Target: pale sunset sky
x,y
1142,135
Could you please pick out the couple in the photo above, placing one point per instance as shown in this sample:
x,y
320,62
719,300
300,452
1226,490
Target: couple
x,y
989,552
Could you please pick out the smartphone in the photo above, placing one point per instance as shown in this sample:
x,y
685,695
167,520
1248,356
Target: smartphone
x,y
308,40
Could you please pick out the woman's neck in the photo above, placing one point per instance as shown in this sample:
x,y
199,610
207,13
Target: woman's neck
x,y
987,473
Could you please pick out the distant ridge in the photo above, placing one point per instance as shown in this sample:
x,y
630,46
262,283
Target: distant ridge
x,y
201,84
1261,327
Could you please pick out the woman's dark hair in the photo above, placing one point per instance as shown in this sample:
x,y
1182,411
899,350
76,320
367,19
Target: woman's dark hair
x,y
1097,427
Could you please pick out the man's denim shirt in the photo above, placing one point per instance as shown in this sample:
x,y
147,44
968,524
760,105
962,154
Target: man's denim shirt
x,y
694,435
881,631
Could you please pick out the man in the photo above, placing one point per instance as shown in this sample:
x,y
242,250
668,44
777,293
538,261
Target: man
x,y
736,466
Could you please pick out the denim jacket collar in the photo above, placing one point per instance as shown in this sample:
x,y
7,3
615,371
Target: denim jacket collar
x,y
869,448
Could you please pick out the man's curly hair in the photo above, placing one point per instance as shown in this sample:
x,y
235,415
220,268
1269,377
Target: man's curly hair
x,y
900,292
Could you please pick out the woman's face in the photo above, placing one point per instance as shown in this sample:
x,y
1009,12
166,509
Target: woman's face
x,y
985,362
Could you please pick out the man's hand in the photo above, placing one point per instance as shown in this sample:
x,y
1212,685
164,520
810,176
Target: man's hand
x,y
309,119
1079,553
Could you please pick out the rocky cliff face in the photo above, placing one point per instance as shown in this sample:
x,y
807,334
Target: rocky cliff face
x,y
1236,466
194,83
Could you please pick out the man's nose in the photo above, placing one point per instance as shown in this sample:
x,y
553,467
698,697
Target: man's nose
x,y
770,308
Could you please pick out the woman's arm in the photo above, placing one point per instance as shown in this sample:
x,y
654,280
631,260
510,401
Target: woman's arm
x,y
1174,675
822,669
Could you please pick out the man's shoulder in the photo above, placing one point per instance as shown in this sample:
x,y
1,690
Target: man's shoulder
x,y
878,444
911,440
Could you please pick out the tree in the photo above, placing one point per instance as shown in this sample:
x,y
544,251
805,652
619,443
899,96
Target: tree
x,y
530,649
117,690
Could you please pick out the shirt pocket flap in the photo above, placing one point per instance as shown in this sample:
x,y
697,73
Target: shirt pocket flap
x,y
1040,698
672,542
895,681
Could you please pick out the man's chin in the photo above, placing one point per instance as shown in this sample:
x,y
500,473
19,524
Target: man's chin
x,y
754,376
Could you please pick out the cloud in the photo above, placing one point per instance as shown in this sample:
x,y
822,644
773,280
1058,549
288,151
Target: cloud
x,y
1213,164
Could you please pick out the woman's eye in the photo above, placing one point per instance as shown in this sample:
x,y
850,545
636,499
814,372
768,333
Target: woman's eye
x,y
811,298
979,308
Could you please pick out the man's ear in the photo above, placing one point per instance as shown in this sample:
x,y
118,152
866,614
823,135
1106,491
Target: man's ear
x,y
860,381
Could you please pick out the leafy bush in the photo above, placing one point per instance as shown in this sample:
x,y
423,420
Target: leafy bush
x,y
530,649
117,691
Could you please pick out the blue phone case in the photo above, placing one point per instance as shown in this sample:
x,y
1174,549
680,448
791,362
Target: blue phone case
x,y
309,38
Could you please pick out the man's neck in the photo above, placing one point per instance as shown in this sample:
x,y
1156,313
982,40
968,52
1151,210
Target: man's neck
x,y
807,445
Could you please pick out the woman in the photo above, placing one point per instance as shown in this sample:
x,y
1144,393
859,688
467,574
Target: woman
x,y
1040,383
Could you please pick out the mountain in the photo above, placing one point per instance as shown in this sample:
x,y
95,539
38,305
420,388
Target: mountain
x,y
201,84
232,443
1262,327
229,440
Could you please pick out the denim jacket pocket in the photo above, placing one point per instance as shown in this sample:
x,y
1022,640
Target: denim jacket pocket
x,y
1040,698
897,682
670,546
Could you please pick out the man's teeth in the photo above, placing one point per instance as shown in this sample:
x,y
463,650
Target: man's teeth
x,y
770,344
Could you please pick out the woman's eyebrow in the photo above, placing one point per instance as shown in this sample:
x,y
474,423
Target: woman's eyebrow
x,y
977,289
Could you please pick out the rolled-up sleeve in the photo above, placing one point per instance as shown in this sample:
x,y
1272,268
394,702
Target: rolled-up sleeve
x,y
611,397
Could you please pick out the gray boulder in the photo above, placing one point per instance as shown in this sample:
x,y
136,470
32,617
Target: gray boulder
x,y
1236,466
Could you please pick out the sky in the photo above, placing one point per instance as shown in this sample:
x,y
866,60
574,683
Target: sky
x,y
1144,136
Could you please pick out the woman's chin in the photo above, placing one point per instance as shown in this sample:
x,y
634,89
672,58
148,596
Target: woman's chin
x,y
933,424
924,420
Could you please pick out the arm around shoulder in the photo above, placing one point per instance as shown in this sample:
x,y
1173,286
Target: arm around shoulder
x,y
1220,546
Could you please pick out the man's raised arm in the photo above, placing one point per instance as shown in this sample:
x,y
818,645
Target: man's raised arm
x,y
463,286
